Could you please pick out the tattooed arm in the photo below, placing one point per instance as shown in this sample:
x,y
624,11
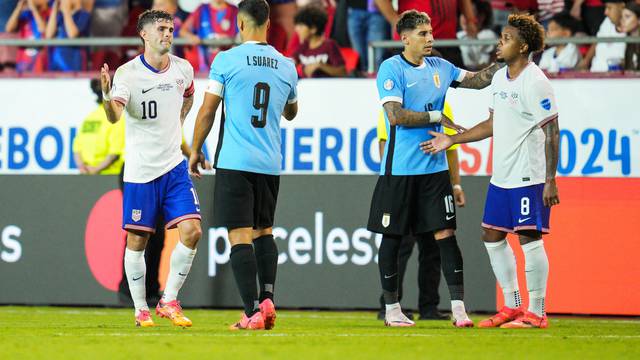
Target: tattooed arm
x,y
399,116
552,134
187,103
480,79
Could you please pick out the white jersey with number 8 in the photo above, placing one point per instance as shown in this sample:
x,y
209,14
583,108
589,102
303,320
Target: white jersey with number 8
x,y
521,107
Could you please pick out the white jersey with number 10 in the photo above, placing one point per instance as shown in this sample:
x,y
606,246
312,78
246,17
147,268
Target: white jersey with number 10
x,y
153,101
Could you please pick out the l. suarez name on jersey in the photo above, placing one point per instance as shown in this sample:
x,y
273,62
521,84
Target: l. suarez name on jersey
x,y
333,150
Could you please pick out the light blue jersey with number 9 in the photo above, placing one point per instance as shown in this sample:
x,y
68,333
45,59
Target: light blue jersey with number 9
x,y
255,82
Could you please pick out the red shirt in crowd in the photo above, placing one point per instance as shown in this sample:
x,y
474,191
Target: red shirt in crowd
x,y
327,53
443,13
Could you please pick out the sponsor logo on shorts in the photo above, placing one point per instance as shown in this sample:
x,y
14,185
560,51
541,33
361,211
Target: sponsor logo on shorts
x,y
449,217
520,221
136,215
386,219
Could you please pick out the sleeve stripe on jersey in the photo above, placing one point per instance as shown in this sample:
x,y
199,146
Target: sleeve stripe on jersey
x,y
547,120
215,87
387,99
190,90
292,101
461,76
120,100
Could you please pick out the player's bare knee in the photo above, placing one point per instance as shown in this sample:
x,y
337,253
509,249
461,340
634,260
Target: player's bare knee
x,y
137,240
241,236
490,235
262,232
191,234
443,234
528,236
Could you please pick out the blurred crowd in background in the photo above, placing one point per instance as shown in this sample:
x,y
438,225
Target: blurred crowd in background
x,y
326,38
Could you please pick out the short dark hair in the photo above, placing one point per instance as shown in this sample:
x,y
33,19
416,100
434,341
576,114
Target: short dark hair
x,y
633,7
484,8
529,30
313,17
257,10
96,88
151,16
411,19
566,21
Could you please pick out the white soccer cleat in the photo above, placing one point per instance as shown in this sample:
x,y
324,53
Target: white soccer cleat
x,y
395,318
459,317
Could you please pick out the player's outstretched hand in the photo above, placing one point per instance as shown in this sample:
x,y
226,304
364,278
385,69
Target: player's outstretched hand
x,y
550,193
105,79
196,158
440,142
446,122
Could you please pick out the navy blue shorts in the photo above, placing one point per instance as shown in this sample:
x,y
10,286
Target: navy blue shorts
x,y
512,210
172,195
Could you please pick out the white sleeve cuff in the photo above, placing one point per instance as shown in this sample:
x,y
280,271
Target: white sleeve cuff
x,y
462,75
292,101
387,99
215,87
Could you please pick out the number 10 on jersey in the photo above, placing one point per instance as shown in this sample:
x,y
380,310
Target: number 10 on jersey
x,y
260,102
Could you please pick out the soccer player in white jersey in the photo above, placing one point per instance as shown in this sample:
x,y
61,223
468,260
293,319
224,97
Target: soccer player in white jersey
x,y
523,120
155,90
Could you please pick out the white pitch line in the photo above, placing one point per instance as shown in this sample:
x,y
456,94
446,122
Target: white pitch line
x,y
223,335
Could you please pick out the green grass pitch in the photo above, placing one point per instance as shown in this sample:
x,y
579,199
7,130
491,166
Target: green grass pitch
x,y
99,333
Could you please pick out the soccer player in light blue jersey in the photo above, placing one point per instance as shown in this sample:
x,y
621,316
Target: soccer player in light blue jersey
x,y
258,86
413,195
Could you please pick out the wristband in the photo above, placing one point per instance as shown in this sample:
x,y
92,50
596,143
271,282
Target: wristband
x,y
106,97
457,187
435,117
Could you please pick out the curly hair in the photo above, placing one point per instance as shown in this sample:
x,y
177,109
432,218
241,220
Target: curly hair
x,y
313,17
530,31
411,19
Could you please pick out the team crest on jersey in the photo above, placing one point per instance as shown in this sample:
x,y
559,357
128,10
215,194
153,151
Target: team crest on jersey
x,y
503,95
436,80
388,84
546,104
386,219
136,215
180,83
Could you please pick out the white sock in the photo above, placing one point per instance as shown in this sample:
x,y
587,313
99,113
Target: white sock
x,y
458,311
136,270
503,263
391,307
537,271
181,260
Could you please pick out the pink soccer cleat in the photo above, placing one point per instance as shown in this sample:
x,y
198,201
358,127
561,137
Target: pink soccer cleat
x,y
173,311
268,310
527,320
503,316
143,319
255,322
